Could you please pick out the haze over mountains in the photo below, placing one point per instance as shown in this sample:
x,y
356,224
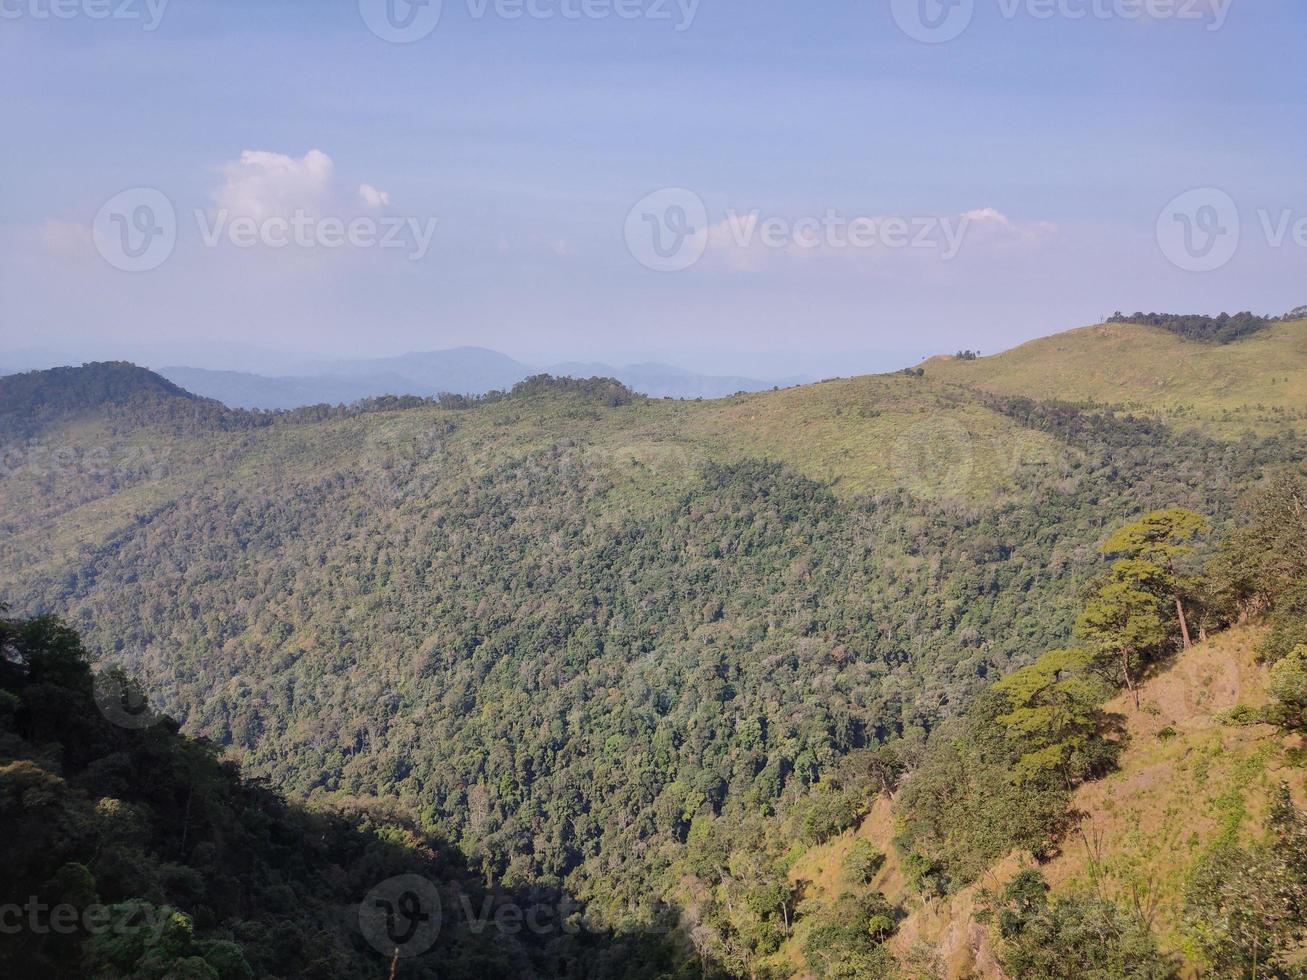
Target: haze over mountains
x,y
288,381
459,371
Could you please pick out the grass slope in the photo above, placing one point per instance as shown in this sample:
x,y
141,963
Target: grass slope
x,y
1258,382
1186,783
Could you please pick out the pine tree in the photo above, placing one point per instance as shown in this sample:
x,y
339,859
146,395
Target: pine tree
x,y
1159,539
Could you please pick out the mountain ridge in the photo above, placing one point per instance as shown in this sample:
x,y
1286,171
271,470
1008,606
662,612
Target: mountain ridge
x,y
572,630
456,371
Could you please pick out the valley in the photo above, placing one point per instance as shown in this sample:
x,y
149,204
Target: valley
x,y
626,648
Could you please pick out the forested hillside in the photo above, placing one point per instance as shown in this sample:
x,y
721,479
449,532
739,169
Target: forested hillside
x,y
613,646
1074,823
131,851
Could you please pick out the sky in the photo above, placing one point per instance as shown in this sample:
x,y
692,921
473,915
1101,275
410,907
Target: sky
x,y
770,187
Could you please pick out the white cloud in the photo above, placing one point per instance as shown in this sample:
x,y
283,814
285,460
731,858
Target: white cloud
x,y
372,197
997,226
262,184
989,214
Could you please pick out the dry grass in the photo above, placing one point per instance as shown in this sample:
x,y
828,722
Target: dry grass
x,y
1186,783
1143,828
1259,382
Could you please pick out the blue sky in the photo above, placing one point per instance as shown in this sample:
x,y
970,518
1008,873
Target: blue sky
x,y
1054,142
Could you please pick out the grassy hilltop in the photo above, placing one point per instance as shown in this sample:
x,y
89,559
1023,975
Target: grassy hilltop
x,y
1257,381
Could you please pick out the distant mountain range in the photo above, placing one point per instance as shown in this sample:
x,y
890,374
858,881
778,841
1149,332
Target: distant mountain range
x,y
462,370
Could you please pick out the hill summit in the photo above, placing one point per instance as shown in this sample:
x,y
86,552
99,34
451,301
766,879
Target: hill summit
x,y
27,401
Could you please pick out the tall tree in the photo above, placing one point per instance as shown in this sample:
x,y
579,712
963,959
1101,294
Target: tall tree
x,y
1161,538
1122,623
1262,566
1054,712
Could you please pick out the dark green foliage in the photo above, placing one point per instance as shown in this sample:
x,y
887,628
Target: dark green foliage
x,y
1223,329
963,808
739,865
1288,690
1055,717
863,862
846,940
1124,626
827,812
113,389
1246,908
1000,777
604,391
164,864
1262,565
1072,938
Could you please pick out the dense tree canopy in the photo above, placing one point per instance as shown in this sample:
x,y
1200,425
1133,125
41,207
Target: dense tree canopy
x,y
132,852
616,677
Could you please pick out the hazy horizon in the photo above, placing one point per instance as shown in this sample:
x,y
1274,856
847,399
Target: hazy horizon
x,y
730,188
273,361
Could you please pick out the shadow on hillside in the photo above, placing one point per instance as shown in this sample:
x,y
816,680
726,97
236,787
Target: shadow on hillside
x,y
132,850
